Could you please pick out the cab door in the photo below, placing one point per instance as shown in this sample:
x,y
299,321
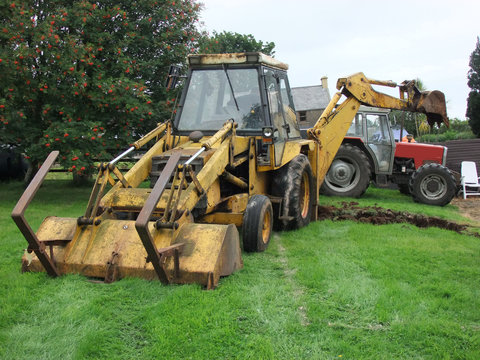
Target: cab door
x,y
281,111
379,139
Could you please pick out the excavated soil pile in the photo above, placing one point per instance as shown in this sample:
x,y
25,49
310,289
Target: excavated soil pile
x,y
380,216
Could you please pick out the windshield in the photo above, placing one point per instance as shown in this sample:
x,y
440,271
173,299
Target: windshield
x,y
209,101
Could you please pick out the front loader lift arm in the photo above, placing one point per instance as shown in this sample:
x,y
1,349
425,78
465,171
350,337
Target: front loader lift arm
x,y
181,202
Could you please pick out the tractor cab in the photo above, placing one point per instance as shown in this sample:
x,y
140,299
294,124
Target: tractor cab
x,y
372,127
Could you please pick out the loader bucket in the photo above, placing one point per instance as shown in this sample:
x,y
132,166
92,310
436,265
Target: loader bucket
x,y
113,249
432,103
110,247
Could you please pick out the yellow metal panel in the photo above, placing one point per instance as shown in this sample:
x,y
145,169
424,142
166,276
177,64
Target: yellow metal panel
x,y
240,144
207,176
213,195
235,58
223,218
237,203
134,199
209,249
293,148
57,228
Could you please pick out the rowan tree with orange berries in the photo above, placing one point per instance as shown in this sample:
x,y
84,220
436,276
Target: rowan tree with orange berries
x,y
87,78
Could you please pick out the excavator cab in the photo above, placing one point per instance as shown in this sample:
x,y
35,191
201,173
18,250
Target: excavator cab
x,y
255,94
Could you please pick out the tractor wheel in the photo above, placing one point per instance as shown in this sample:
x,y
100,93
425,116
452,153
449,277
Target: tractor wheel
x,y
349,174
294,184
404,189
433,184
257,224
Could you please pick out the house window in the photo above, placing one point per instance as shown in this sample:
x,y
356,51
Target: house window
x,y
302,115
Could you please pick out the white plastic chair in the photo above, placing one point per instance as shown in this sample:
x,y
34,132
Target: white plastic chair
x,y
470,179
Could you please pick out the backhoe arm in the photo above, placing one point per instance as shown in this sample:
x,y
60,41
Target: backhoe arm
x,y
333,124
358,89
430,103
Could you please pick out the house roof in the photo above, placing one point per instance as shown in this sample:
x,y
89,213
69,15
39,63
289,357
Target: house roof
x,y
310,97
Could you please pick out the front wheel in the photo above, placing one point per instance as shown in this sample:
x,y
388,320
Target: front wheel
x,y
257,224
294,184
433,184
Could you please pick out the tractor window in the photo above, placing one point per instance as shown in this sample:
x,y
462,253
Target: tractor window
x,y
377,128
210,101
356,128
379,139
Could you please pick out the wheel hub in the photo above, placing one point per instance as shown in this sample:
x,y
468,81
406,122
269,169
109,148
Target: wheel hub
x,y
341,173
433,187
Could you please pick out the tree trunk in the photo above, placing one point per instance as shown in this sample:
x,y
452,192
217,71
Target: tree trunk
x,y
30,173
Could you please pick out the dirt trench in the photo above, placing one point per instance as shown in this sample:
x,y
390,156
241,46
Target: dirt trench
x,y
379,216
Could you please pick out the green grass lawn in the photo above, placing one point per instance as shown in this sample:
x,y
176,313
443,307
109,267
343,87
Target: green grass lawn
x,y
331,290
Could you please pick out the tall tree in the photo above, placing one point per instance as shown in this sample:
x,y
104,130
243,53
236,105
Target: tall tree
x,y
473,101
86,78
229,42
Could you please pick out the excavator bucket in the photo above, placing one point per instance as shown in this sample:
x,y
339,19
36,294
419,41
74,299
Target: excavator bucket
x,y
432,103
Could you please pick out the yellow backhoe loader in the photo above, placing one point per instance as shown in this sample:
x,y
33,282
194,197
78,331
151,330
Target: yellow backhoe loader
x,y
232,158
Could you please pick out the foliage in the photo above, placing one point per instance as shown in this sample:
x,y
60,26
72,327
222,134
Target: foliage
x,y
446,136
86,78
473,101
408,118
229,42
459,129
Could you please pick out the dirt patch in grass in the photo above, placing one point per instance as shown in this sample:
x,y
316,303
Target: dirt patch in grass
x,y
379,216
469,207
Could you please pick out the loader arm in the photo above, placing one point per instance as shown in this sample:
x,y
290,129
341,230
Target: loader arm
x,y
333,124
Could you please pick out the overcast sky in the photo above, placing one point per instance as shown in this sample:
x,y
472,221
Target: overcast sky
x,y
387,40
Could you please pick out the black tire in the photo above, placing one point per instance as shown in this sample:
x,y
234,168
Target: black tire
x,y
257,224
349,174
404,189
433,184
294,184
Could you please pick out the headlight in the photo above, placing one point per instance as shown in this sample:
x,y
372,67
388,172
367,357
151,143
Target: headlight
x,y
267,132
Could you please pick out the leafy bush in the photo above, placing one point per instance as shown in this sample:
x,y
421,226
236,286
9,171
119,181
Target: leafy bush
x,y
459,129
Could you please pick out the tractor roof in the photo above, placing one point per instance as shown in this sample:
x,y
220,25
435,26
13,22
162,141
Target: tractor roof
x,y
236,58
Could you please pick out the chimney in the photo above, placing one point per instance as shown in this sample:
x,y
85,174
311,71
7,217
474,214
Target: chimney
x,y
324,80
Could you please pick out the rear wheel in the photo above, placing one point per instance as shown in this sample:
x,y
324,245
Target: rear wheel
x,y
257,224
433,184
349,173
294,184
